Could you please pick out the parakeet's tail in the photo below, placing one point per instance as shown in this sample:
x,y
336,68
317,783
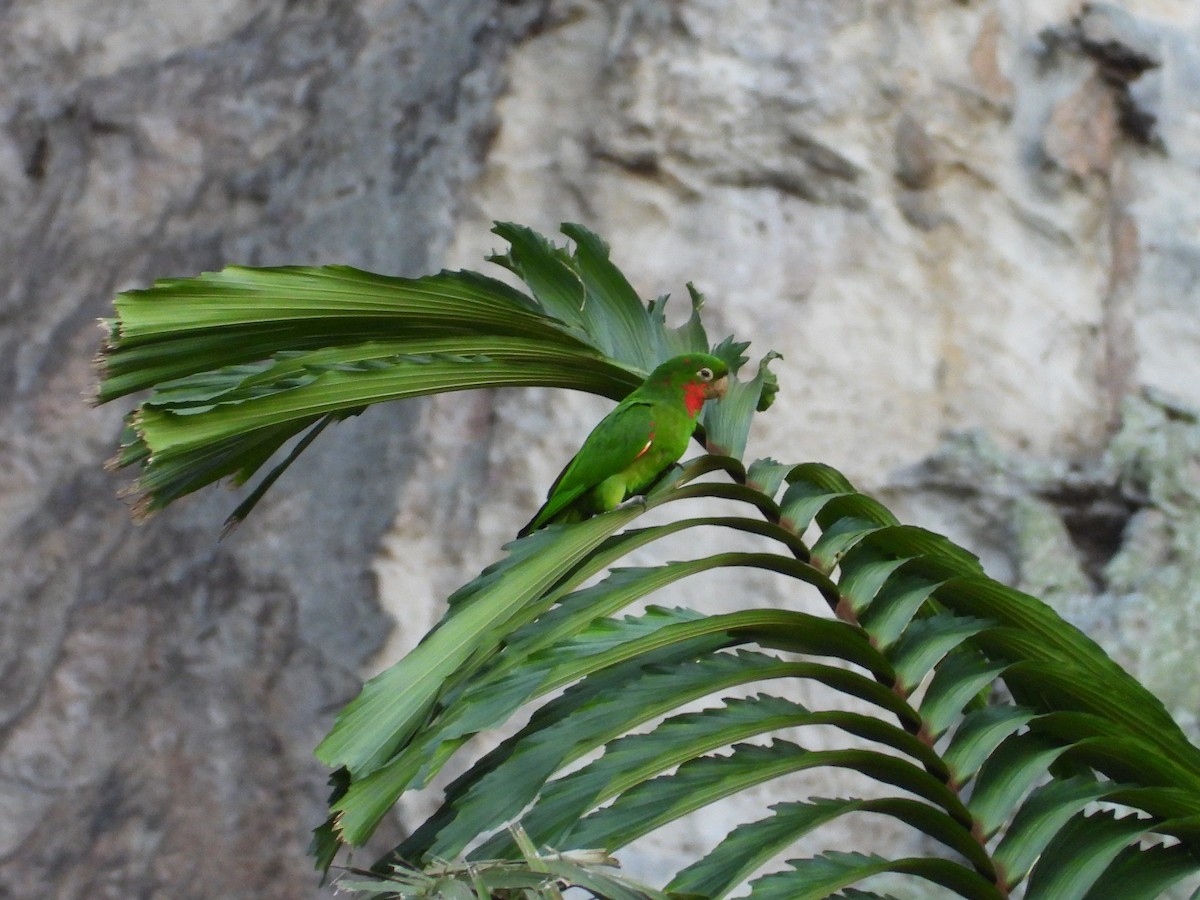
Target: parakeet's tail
x,y
544,518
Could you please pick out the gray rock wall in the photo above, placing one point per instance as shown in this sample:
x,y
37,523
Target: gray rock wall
x,y
970,227
163,693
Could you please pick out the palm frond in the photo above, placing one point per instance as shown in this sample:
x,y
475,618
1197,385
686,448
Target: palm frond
x,y
1074,781
244,360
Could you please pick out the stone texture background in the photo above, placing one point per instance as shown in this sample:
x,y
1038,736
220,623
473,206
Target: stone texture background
x,y
971,227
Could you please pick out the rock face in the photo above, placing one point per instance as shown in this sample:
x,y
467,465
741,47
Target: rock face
x,y
163,692
970,228
956,223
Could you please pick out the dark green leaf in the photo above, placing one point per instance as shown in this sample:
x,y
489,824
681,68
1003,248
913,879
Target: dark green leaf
x,y
766,476
556,285
749,846
865,571
1014,767
727,423
810,487
614,313
940,554
1039,819
1079,854
394,704
979,735
634,759
895,605
1144,873
688,337
959,678
240,315
817,878
853,505
701,781
584,718
924,644
1036,632
840,537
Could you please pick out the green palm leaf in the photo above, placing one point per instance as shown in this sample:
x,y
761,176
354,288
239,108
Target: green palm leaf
x,y
243,360
749,846
915,642
817,878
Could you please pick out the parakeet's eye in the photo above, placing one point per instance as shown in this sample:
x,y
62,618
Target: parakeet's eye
x,y
705,374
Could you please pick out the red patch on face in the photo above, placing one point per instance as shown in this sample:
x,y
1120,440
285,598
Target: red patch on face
x,y
693,397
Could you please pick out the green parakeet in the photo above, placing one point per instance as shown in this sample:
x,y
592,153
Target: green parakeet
x,y
647,431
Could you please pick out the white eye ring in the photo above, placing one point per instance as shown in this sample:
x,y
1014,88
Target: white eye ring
x,y
705,374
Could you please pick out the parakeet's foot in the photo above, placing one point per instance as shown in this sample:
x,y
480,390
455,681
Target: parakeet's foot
x,y
636,500
668,479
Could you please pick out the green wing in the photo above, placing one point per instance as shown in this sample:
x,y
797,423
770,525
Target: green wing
x,y
618,440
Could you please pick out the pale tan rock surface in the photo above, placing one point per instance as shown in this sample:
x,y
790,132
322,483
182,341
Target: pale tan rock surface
x,y
949,218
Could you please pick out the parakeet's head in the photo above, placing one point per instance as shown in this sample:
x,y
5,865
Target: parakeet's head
x,y
700,376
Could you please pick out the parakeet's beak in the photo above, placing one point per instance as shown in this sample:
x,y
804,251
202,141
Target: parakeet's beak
x,y
717,389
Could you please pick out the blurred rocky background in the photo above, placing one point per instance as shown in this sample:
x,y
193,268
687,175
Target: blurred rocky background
x,y
972,228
